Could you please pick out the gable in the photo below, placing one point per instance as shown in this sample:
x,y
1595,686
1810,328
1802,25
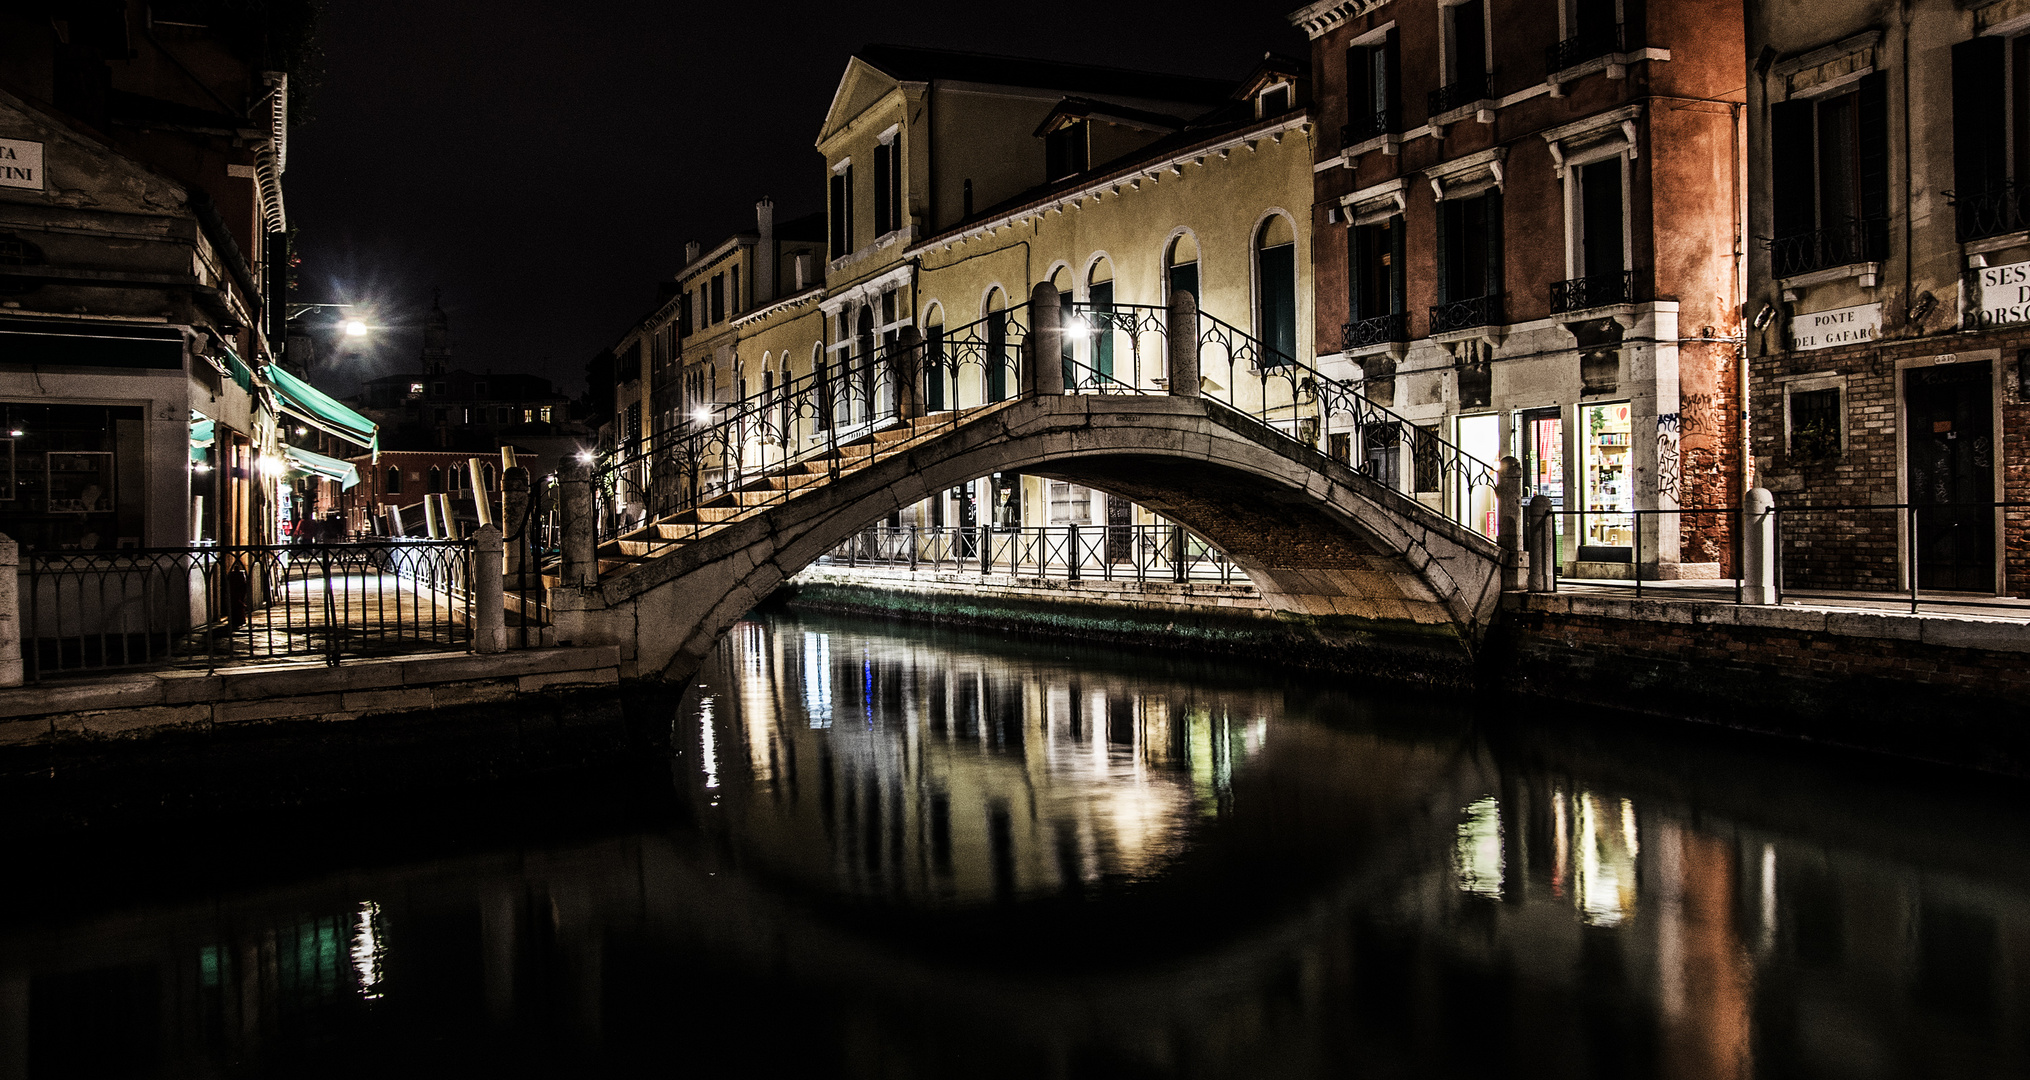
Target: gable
x,y
860,88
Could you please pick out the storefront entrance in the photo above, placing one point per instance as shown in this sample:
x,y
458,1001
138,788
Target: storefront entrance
x,y
1950,460
1543,462
1606,484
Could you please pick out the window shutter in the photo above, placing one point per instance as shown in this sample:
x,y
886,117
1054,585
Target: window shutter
x,y
838,214
1356,272
881,180
1443,252
1494,282
1398,296
1793,168
1977,98
1874,149
1391,81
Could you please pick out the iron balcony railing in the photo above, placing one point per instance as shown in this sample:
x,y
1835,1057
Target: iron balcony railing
x,y
1468,313
1073,552
1465,92
1590,43
1596,290
1857,240
1997,211
1365,126
1380,330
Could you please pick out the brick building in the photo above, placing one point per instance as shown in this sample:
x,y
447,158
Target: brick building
x,y
1887,286
1527,239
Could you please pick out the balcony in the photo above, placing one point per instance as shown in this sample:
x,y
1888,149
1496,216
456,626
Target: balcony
x,y
1591,44
1467,314
1458,95
1598,290
1997,211
1859,240
1365,126
1380,330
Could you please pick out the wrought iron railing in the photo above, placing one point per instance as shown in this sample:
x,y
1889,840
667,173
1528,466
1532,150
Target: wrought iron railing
x,y
1591,43
1367,125
1470,88
1857,240
88,611
1380,330
1073,552
1468,313
1596,290
1997,211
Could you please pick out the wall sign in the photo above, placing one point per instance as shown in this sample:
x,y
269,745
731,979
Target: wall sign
x,y
1840,326
2001,295
21,164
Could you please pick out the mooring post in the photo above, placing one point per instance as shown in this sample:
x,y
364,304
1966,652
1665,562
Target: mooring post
x,y
1542,538
10,613
581,566
481,505
986,550
1508,522
1758,548
489,602
1070,552
1043,346
1181,342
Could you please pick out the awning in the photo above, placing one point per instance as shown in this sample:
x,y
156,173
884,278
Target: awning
x,y
320,410
306,463
202,433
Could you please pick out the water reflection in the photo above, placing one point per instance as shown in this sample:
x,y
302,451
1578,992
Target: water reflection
x,y
915,855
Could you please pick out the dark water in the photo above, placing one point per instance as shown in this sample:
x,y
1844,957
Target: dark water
x,y
897,853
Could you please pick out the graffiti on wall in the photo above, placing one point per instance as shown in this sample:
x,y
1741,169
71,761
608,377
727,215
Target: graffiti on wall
x,y
1667,436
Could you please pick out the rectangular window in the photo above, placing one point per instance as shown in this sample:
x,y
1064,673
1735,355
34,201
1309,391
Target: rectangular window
x,y
735,303
1375,269
1426,458
1279,304
1372,91
1985,201
1601,247
1830,178
1814,424
1466,74
1065,151
1184,278
718,298
842,212
1383,454
1070,503
934,368
887,188
1469,248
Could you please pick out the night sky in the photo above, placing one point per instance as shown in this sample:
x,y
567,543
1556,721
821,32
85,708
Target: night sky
x,y
544,162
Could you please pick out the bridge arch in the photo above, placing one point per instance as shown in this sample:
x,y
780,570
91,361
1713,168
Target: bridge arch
x,y
1338,558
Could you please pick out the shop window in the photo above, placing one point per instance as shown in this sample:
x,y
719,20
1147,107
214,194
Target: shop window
x,y
1372,89
1276,295
1606,483
1813,423
1005,490
1070,503
1180,268
842,210
1830,178
1543,453
76,477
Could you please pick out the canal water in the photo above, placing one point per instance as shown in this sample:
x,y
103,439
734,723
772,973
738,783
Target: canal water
x,y
876,851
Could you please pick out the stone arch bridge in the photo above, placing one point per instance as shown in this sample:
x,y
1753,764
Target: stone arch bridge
x,y
1339,555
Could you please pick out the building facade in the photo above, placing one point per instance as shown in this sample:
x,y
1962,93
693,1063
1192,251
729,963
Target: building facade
x,y
1888,289
1526,224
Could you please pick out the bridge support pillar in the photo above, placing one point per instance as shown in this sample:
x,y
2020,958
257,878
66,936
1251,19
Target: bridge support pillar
x,y
1043,347
489,604
1508,522
1758,549
1541,539
1181,342
581,565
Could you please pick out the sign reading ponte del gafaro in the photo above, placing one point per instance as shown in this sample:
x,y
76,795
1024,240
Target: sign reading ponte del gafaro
x,y
1840,326
20,164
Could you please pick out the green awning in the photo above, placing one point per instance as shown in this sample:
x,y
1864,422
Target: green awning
x,y
202,433
307,463
321,411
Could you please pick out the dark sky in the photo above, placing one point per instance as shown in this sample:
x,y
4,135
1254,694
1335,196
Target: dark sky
x,y
544,162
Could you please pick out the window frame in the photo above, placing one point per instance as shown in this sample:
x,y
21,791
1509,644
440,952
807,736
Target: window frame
x,y
1814,382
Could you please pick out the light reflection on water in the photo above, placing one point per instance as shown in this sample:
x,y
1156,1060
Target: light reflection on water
x,y
944,855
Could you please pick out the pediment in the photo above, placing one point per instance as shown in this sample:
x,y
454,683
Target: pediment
x,y
860,88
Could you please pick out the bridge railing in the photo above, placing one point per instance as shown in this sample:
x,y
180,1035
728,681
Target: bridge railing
x,y
1074,552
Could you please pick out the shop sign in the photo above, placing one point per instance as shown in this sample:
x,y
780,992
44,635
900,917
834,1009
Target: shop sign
x,y
21,164
1840,326
2001,295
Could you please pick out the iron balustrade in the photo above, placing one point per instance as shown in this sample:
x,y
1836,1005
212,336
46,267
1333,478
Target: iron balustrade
x,y
1997,211
1366,125
1466,314
1597,290
1458,95
1079,552
1858,240
1591,43
1380,330
1642,573
1876,551
88,611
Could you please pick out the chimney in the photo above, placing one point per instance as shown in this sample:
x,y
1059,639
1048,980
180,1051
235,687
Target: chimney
x,y
764,252
690,252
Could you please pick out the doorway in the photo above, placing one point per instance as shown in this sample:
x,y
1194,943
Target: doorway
x,y
1949,457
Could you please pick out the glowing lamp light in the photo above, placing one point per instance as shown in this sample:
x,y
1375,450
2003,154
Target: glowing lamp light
x,y
585,456
355,328
200,467
271,465
15,433
701,416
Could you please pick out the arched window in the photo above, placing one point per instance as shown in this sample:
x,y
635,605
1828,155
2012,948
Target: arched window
x,y
436,480
1060,279
1180,268
997,358
394,481
863,362
1099,294
1276,290
934,373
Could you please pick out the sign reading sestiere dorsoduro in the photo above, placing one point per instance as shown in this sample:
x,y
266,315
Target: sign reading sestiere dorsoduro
x,y
20,164
2001,295
1831,329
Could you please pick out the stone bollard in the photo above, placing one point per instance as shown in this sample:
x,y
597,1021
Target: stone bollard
x,y
1541,537
1508,522
489,602
10,613
1043,346
1181,341
481,505
581,566
1758,547
431,527
514,513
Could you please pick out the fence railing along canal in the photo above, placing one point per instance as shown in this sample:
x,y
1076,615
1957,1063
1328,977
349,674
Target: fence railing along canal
x,y
1073,552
